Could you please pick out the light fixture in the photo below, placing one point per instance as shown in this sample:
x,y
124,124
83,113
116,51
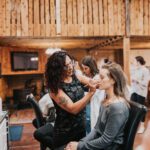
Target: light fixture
x,y
50,51
34,59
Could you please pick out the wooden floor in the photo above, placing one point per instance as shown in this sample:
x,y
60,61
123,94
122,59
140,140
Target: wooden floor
x,y
28,142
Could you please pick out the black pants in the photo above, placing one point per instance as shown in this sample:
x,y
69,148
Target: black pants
x,y
63,139
44,135
138,99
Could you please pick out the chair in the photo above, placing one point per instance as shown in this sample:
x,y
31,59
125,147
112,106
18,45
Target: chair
x,y
137,111
39,117
19,96
38,113
51,115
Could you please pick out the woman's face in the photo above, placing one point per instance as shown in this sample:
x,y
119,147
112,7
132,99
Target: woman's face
x,y
86,70
68,67
106,82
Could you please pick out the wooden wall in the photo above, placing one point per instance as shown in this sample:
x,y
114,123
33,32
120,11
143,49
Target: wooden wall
x,y
78,53
18,82
71,18
12,80
113,55
6,61
3,81
140,17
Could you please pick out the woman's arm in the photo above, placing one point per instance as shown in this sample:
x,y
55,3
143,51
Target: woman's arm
x,y
89,137
87,81
66,103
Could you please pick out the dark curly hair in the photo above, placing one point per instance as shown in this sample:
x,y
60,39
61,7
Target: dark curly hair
x,y
54,72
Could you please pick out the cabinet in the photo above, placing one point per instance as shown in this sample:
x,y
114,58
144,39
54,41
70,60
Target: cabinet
x,y
3,131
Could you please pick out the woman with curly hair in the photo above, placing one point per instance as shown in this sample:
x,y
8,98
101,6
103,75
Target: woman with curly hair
x,y
68,97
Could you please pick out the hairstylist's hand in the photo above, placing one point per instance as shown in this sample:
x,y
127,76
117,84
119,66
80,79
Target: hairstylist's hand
x,y
94,83
72,146
92,87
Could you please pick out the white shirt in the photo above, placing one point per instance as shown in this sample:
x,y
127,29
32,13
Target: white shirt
x,y
45,103
142,76
128,92
95,103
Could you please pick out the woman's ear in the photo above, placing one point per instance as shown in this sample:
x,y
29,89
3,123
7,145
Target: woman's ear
x,y
112,81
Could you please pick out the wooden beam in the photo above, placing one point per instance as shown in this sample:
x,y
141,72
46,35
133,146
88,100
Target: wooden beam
x,y
65,43
105,43
126,56
127,18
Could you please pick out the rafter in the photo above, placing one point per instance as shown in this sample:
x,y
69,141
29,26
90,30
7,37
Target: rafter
x,y
107,42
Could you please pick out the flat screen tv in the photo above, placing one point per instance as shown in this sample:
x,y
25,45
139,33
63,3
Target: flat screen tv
x,y
24,61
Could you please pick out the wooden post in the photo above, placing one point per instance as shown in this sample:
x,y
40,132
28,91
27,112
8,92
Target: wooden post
x,y
126,41
126,56
127,18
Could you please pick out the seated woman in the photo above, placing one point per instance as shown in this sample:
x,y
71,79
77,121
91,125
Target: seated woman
x,y
68,97
114,111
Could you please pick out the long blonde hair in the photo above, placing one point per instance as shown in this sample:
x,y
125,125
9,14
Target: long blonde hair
x,y
118,75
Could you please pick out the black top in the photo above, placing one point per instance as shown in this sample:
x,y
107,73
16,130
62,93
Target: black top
x,y
68,125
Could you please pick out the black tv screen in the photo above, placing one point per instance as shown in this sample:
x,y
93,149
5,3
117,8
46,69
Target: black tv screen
x,y
23,61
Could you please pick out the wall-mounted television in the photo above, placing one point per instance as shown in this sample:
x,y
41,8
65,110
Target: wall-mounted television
x,y
24,61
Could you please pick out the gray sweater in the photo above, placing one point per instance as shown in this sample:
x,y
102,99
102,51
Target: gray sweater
x,y
109,128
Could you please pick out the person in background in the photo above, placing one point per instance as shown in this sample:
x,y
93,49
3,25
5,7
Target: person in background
x,y
139,83
108,134
68,98
89,67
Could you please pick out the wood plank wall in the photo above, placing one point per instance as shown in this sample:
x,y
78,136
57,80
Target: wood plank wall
x,y
140,17
112,55
37,18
